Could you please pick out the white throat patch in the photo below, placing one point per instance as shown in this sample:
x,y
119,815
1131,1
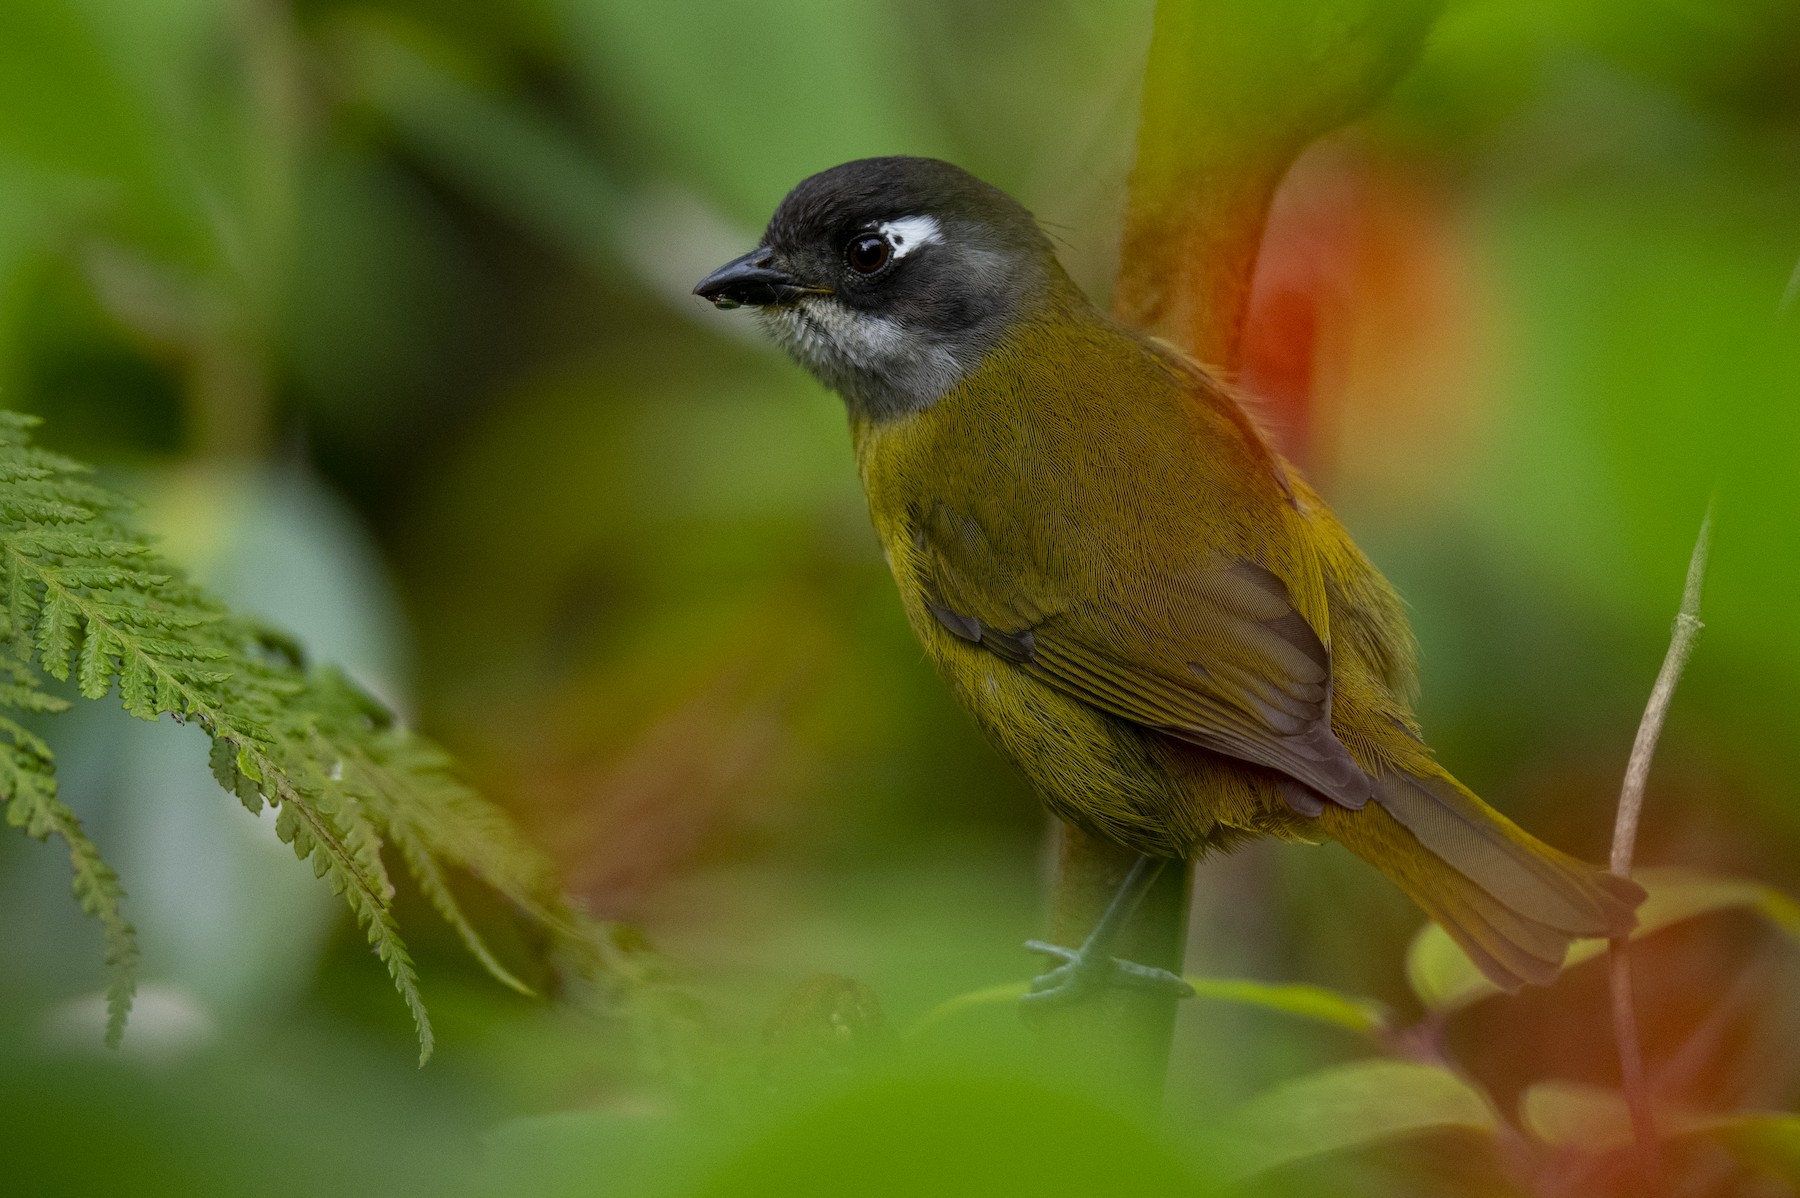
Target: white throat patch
x,y
869,359
909,233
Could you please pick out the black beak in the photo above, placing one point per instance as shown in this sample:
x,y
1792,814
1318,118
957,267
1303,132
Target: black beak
x,y
755,280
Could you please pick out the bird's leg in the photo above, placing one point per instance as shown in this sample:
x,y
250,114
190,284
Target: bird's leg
x,y
1092,967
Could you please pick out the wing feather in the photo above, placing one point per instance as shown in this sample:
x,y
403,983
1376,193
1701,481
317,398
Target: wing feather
x,y
1224,660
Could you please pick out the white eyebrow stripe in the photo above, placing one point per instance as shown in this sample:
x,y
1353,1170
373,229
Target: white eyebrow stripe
x,y
910,232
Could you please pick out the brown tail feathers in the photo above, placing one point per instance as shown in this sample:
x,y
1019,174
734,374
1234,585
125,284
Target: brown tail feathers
x,y
1511,901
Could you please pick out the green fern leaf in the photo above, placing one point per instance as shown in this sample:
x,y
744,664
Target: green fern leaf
x,y
137,688
21,612
58,624
83,593
28,790
384,937
94,668
430,876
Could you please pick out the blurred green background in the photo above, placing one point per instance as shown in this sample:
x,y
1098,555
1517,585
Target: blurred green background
x,y
382,309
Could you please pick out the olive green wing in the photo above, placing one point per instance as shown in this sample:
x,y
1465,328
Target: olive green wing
x,y
1214,653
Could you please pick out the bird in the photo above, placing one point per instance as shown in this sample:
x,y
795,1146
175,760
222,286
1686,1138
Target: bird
x,y
1140,601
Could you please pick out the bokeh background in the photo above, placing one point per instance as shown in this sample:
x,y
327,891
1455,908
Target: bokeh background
x,y
382,310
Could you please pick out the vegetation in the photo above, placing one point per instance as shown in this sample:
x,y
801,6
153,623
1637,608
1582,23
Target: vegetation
x,y
87,596
378,309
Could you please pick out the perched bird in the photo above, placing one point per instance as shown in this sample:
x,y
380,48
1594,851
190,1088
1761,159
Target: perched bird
x,y
1141,603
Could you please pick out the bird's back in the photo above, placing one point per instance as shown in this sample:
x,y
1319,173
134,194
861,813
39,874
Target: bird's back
x,y
1098,465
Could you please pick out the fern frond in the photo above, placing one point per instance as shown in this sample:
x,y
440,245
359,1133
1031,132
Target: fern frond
x,y
28,792
87,597
429,875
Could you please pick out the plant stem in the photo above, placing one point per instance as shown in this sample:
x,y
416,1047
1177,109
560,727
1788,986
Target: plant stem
x,y
1117,1041
1656,711
1625,830
1631,1066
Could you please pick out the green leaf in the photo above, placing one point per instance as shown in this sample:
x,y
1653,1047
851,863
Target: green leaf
x,y
1364,1016
29,792
425,871
1446,980
987,996
94,668
29,795
21,610
137,688
384,938
1770,1142
246,764
342,774
56,629
1344,1107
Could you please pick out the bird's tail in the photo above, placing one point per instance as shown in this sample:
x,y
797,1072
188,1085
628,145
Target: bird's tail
x,y
1511,901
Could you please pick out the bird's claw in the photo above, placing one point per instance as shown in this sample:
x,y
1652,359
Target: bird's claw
x,y
1065,955
1082,975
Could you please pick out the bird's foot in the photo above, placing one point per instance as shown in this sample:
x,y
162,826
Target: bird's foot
x,y
1085,973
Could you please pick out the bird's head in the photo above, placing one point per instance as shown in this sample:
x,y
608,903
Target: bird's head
x,y
892,278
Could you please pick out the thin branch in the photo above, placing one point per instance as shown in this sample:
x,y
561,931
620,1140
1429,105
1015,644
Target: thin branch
x,y
1631,1066
1643,749
1625,830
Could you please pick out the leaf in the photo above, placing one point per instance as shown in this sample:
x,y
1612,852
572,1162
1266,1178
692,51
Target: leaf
x,y
1770,1142
424,869
137,689
987,996
341,773
1344,1107
1446,980
94,669
1364,1016
56,635
1593,1119
384,938
29,791
1575,1114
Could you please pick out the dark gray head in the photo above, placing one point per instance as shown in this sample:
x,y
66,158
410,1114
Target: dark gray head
x,y
891,278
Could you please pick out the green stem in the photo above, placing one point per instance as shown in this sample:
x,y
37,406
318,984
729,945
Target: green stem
x,y
1117,1041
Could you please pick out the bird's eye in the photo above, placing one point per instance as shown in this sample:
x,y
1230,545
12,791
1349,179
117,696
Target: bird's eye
x,y
868,253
